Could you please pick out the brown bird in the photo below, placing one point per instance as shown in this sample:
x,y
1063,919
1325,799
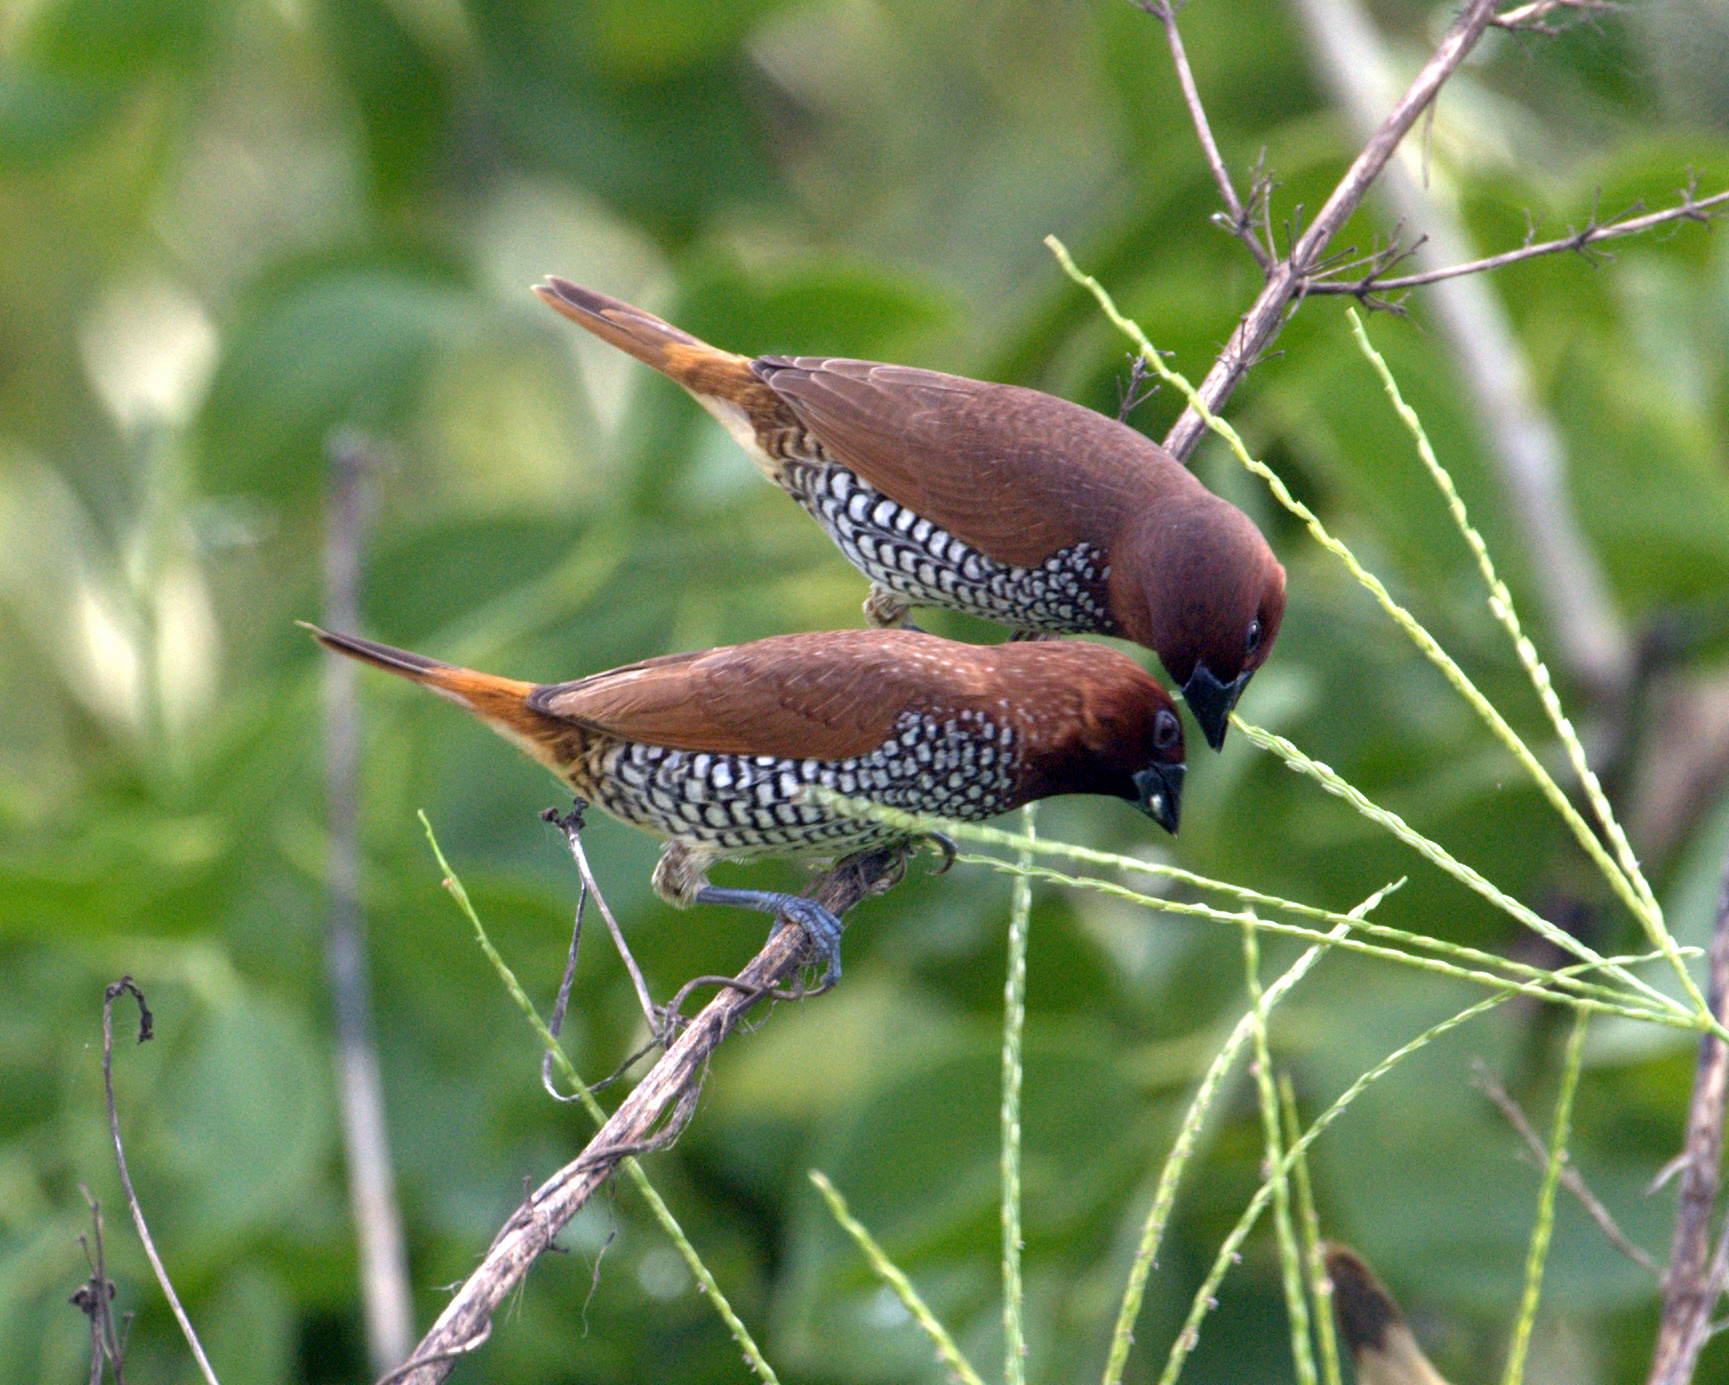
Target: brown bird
x,y
713,750
991,499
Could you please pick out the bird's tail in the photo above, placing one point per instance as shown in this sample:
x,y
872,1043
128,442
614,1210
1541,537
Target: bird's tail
x,y
502,703
702,369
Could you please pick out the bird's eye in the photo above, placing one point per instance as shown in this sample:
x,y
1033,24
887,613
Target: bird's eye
x,y
1252,640
1167,730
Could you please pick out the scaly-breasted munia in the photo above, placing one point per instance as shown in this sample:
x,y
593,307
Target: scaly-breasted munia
x,y
712,751
1000,501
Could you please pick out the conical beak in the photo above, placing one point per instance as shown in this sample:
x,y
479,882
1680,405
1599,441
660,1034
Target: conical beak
x,y
1161,794
1211,701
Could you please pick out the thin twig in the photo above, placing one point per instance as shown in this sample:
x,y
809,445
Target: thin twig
x,y
387,1306
1137,390
146,1029
1570,1178
1690,1287
561,1002
633,1170
1238,220
1531,16
95,1299
1286,279
571,825
671,1082
1690,209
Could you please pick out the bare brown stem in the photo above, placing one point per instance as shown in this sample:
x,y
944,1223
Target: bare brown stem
x,y
1691,1287
1690,209
126,986
571,825
1238,220
1570,1178
95,1299
673,1082
1287,279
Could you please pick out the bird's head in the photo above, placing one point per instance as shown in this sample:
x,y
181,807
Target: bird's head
x,y
1099,723
1202,588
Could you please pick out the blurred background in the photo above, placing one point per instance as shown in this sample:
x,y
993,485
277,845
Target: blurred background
x,y
236,229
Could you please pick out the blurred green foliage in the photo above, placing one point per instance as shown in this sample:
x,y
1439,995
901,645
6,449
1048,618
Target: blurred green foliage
x,y
232,228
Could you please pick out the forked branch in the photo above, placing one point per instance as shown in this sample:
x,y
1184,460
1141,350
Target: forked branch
x,y
1288,278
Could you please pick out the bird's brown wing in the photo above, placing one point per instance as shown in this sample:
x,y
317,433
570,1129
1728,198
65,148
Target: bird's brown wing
x,y
822,696
1015,473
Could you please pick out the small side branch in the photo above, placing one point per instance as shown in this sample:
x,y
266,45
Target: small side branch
x,y
146,1030
1238,219
670,1085
1570,1179
95,1300
1691,1287
1532,17
1690,208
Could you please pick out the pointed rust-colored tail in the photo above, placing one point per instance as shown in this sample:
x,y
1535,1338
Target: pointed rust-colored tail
x,y
704,370
502,703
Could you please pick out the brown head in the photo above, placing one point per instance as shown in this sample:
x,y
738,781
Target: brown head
x,y
1093,721
1195,581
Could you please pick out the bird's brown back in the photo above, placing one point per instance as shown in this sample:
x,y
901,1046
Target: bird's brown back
x,y
832,694
1015,473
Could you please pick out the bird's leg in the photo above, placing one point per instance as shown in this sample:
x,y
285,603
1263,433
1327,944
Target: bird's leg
x,y
1030,636
887,609
681,879
820,926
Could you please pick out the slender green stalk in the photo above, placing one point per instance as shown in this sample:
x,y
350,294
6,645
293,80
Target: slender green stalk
x,y
1486,711
1190,1335
1290,1256
1682,1016
1543,1231
895,1278
1501,606
1188,1136
1538,990
1335,784
633,1170
1014,1026
1314,1257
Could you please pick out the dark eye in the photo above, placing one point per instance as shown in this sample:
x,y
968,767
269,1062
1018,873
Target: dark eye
x,y
1252,640
1167,730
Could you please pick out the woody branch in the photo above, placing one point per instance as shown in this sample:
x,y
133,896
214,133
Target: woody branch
x,y
670,1085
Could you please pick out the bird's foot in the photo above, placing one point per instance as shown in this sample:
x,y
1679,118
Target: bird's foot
x,y
943,845
1030,636
887,609
820,926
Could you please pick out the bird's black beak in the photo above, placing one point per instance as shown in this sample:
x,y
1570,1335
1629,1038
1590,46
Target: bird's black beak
x,y
1211,701
1161,794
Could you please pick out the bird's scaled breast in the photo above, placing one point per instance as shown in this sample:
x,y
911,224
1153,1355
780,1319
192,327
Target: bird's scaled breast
x,y
951,764
921,561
